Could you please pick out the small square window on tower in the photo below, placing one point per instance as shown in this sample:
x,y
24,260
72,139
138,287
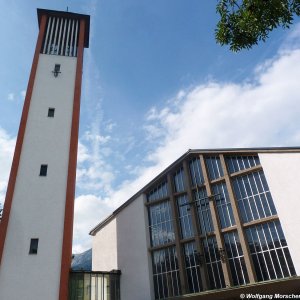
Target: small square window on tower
x,y
57,67
34,243
51,112
43,170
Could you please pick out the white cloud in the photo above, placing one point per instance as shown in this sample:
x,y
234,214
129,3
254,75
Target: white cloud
x,y
262,111
7,145
11,97
110,126
23,93
89,136
15,96
89,209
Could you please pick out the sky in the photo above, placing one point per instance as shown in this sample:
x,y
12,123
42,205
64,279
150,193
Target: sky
x,y
155,84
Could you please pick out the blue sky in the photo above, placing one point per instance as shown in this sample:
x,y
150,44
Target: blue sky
x,y
155,84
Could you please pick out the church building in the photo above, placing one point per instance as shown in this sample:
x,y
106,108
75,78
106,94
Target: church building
x,y
215,224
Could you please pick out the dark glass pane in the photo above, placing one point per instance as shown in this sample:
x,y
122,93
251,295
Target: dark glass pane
x,y
289,261
268,236
258,182
33,249
158,192
236,189
230,165
252,184
253,208
235,164
233,272
43,170
263,266
179,180
244,270
274,234
248,210
51,112
223,205
256,240
156,287
280,234
240,163
250,240
261,236
276,264
257,267
216,274
283,263
247,186
256,158
264,201
214,167
259,207
270,265
271,203
246,162
196,172
264,181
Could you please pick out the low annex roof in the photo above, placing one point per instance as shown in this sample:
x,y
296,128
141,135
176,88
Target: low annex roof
x,y
184,156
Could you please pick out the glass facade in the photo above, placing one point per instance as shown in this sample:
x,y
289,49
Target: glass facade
x,y
159,192
234,181
192,265
213,263
161,226
239,163
214,167
203,211
196,171
223,205
179,181
253,196
269,251
236,258
94,285
184,213
165,273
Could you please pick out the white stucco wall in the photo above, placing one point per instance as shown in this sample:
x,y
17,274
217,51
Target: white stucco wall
x,y
132,258
282,172
104,254
39,202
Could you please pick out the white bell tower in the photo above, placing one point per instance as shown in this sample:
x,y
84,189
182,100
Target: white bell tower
x,y
37,223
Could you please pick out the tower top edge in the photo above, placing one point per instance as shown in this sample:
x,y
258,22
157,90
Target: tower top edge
x,y
66,14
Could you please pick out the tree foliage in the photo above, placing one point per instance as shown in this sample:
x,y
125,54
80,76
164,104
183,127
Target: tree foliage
x,y
243,23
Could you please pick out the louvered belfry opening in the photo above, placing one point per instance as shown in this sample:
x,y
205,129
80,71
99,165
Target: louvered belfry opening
x,y
61,36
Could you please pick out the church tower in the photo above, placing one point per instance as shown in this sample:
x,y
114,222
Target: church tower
x,y
37,223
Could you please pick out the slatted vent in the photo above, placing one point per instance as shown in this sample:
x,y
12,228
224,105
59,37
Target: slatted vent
x,y
61,37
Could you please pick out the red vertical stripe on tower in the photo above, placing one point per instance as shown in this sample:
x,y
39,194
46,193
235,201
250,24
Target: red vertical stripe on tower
x,y
20,139
70,194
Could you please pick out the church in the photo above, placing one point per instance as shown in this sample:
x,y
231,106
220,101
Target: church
x,y
215,224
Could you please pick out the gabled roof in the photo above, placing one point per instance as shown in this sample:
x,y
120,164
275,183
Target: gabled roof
x,y
191,152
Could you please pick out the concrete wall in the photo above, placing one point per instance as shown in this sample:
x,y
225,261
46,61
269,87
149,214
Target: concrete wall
x,y
283,176
39,202
133,258
104,254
